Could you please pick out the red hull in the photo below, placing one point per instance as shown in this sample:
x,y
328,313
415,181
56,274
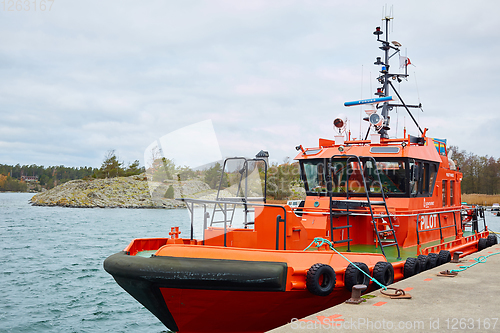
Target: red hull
x,y
242,311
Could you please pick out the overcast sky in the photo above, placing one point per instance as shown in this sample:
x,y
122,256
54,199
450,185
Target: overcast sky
x,y
90,76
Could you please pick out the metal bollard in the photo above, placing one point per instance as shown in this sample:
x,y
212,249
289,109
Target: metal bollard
x,y
356,294
456,257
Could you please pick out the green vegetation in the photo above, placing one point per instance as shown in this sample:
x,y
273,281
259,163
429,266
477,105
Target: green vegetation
x,y
11,176
164,169
111,167
169,194
481,174
7,183
48,177
281,178
212,176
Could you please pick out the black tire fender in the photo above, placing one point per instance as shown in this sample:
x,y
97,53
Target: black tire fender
x,y
411,267
491,240
482,244
353,275
433,259
425,263
320,279
383,272
444,257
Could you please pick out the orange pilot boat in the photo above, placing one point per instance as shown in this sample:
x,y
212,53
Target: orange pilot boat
x,y
376,211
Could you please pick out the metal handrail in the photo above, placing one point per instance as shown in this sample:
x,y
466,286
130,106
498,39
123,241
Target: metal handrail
x,y
440,228
244,170
367,214
203,202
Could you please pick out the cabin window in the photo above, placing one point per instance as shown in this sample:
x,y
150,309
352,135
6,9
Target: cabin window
x,y
392,176
349,176
444,192
433,169
452,184
424,183
414,177
422,177
314,174
398,176
343,173
354,171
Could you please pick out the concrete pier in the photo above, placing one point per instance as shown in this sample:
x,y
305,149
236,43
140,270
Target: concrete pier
x,y
468,302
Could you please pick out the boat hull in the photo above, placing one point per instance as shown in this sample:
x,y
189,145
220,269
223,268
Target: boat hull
x,y
215,295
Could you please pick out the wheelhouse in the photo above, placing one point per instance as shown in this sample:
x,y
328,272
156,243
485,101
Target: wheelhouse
x,y
399,176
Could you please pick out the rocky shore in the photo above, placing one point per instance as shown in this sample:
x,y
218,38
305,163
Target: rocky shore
x,y
121,192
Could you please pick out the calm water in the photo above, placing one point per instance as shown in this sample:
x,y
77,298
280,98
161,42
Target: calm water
x,y
51,276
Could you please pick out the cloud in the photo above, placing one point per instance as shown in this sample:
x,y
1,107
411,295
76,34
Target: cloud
x,y
92,76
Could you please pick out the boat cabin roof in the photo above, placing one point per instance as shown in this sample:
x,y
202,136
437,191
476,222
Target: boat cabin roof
x,y
421,148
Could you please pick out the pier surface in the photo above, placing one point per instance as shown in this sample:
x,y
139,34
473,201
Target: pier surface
x,y
468,302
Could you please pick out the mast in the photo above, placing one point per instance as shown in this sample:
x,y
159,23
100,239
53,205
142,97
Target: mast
x,y
385,78
381,121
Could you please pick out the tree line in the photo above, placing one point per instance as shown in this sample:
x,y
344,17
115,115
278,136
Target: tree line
x,y
49,177
481,174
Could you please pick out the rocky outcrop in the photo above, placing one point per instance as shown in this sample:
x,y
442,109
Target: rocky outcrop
x,y
133,192
120,192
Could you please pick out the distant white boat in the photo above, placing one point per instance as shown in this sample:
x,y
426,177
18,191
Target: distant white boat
x,y
495,209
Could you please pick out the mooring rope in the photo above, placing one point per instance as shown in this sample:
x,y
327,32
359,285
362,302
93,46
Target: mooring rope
x,y
480,259
319,242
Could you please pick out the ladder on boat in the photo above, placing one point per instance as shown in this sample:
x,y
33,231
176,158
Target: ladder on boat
x,y
369,203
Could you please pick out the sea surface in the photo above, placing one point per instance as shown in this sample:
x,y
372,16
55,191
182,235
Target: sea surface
x,y
51,273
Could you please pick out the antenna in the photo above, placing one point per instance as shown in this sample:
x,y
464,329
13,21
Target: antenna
x,y
397,121
418,94
392,16
360,107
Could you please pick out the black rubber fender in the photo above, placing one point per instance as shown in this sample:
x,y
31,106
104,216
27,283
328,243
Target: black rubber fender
x,y
433,259
353,276
383,272
325,274
482,244
411,267
491,240
444,257
425,262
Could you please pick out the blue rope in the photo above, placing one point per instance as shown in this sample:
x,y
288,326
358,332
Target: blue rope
x,y
319,242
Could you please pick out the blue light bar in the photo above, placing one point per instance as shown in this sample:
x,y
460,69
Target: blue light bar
x,y
369,101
